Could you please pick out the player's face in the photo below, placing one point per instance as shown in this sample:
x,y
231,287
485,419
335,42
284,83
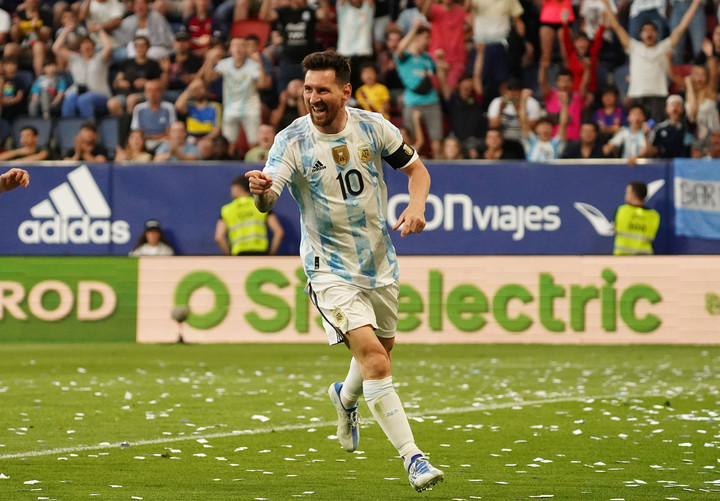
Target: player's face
x,y
325,100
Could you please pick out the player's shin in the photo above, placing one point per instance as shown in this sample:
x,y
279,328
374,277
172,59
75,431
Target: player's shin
x,y
386,407
352,388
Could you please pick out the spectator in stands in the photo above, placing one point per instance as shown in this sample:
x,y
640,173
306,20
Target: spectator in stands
x,y
447,34
492,29
202,116
355,34
416,69
220,149
14,178
290,106
671,138
503,114
183,68
29,151
495,147
76,31
388,74
201,27
134,150
551,19
296,22
451,149
14,94
87,148
30,34
154,116
588,146
371,95
47,92
700,93
243,74
708,147
242,229
695,33
610,116
465,111
266,135
107,14
88,94
540,143
148,23
715,40
648,60
648,11
152,242
581,55
563,87
631,139
135,72
177,148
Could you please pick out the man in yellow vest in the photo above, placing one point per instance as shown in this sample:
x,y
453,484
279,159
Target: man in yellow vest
x,y
635,224
242,229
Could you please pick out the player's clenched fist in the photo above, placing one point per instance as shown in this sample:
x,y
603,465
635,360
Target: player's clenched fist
x,y
260,183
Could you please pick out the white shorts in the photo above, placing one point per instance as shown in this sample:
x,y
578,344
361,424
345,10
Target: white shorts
x,y
345,307
231,128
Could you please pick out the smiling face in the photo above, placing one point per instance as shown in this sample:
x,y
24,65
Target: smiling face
x,y
325,99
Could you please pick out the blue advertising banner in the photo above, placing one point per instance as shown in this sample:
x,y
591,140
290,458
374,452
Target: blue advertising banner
x,y
697,198
473,209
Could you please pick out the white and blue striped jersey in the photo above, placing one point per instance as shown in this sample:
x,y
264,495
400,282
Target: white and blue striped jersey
x,y
339,185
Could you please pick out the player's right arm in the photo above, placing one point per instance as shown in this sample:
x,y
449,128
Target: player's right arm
x,y
261,189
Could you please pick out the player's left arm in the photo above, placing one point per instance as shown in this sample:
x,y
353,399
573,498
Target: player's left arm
x,y
412,218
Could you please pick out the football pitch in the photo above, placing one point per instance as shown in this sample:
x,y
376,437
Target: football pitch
x,y
253,422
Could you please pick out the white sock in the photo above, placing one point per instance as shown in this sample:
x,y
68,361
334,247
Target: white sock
x,y
352,388
386,407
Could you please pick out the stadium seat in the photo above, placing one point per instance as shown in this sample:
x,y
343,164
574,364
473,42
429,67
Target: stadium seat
x,y
254,26
44,128
26,79
109,132
66,130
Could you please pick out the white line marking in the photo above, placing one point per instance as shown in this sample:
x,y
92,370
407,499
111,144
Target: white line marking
x,y
307,426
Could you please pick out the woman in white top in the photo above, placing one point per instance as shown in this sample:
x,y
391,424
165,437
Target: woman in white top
x,y
700,104
152,242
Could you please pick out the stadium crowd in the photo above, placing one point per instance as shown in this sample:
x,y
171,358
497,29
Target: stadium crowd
x,y
187,80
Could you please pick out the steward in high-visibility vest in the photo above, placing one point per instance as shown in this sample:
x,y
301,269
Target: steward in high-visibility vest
x,y
635,224
242,229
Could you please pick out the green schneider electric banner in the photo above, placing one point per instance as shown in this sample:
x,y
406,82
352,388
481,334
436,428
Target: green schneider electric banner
x,y
69,299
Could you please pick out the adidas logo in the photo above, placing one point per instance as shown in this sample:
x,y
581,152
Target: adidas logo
x,y
75,212
318,166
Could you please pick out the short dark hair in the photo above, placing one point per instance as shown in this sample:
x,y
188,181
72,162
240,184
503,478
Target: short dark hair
x,y
650,23
90,126
565,72
253,37
635,105
31,128
368,64
328,60
142,37
241,181
545,119
590,122
422,29
610,88
639,188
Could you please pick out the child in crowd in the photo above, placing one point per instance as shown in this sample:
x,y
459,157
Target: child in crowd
x,y
610,116
135,150
372,96
451,149
632,138
12,101
46,93
541,145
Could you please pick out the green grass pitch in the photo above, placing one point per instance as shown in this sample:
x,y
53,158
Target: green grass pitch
x,y
253,422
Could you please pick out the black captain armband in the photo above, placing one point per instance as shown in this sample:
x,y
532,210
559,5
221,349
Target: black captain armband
x,y
401,157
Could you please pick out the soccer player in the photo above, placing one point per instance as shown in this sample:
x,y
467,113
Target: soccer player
x,y
14,178
331,162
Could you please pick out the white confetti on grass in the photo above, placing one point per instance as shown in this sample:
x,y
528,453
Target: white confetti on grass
x,y
261,418
31,482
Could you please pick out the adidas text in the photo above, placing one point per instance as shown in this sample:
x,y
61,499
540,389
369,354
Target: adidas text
x,y
318,167
77,231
